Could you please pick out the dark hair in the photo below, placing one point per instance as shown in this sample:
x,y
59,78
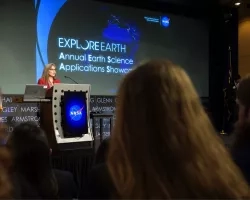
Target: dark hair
x,y
31,157
243,94
163,145
237,77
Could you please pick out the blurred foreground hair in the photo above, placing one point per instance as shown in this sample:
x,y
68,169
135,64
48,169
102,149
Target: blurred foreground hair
x,y
163,145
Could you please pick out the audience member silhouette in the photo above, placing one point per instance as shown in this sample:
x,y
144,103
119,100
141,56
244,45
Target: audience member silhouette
x,y
97,173
241,147
33,175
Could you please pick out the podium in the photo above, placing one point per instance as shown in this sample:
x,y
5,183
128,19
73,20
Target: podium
x,y
52,117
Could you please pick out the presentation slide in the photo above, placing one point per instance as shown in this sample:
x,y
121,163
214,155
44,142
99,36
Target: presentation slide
x,y
98,43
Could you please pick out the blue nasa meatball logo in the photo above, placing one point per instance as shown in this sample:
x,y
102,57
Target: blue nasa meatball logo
x,y
75,113
165,21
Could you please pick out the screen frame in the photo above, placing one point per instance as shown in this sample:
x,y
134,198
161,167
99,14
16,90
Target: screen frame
x,y
69,128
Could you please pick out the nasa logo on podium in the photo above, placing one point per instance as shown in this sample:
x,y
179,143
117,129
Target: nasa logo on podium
x,y
75,112
165,21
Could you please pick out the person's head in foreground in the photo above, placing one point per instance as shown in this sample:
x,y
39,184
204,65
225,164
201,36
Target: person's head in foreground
x,y
31,158
242,127
163,144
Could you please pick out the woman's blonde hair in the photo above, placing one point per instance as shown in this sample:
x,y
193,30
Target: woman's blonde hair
x,y
46,69
163,144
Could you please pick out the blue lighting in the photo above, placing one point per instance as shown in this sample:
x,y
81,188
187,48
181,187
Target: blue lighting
x,y
165,21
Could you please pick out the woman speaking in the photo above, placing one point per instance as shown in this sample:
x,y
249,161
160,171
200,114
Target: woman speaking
x,y
49,76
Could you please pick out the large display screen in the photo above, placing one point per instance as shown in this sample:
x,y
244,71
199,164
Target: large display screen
x,y
98,43
74,119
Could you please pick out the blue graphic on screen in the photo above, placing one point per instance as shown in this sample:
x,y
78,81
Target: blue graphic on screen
x,y
165,21
121,31
75,121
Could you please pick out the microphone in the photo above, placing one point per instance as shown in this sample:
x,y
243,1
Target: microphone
x,y
71,79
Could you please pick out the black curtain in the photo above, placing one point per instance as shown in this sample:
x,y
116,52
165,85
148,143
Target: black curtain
x,y
223,34
79,162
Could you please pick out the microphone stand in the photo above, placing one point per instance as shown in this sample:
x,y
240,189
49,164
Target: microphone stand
x,y
226,111
67,77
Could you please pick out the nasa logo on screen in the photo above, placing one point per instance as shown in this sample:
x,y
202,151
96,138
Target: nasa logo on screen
x,y
165,21
75,113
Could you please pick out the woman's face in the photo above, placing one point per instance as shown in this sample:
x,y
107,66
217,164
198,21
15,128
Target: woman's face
x,y
52,71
